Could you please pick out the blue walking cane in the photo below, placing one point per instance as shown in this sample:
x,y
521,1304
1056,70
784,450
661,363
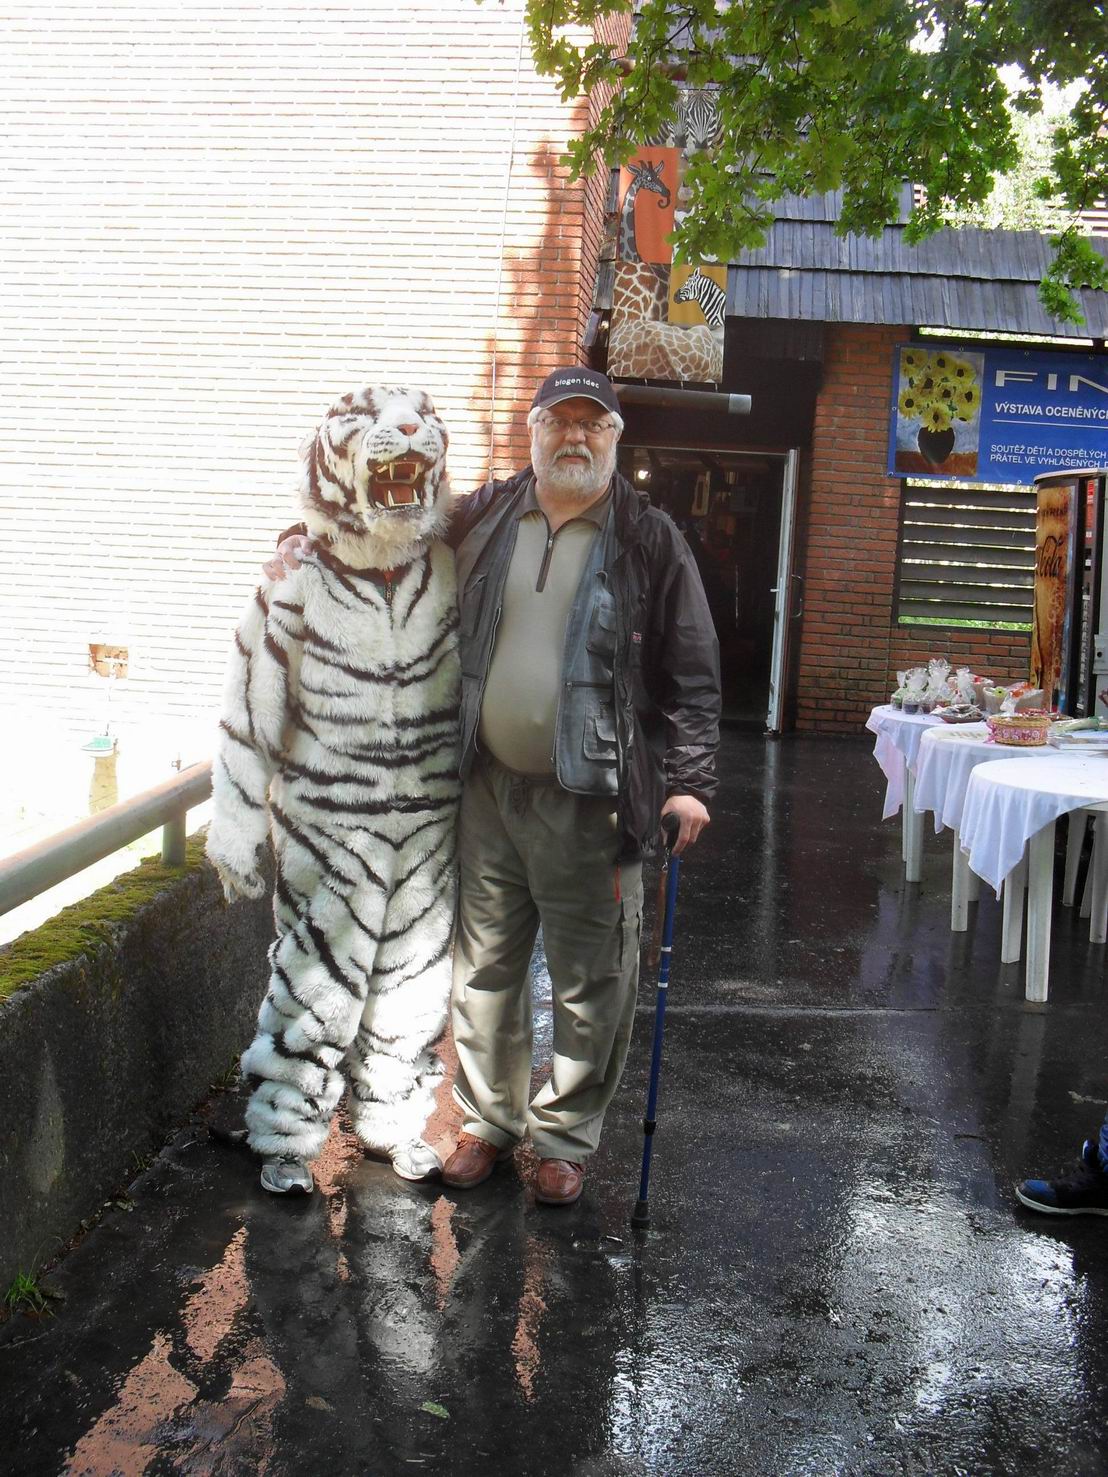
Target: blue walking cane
x,y
640,1216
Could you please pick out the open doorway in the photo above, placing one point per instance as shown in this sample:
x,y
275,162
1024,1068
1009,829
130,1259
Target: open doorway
x,y
729,507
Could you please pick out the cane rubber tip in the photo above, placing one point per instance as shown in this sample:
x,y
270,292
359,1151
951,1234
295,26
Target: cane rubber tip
x,y
640,1216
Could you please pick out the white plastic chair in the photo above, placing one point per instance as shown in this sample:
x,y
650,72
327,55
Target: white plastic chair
x,y
1094,898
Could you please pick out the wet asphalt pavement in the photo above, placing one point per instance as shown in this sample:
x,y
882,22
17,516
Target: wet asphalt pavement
x,y
838,1278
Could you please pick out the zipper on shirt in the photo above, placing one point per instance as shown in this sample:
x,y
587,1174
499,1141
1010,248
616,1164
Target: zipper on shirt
x,y
544,567
492,642
485,678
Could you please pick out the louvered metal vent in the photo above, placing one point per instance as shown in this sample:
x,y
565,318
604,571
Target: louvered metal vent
x,y
967,556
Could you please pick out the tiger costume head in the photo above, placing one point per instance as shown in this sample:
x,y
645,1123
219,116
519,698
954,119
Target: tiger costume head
x,y
374,484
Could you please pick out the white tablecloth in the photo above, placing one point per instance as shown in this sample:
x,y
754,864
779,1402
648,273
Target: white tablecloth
x,y
898,740
1009,801
947,757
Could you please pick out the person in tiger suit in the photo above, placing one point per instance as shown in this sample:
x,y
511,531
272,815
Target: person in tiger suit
x,y
339,736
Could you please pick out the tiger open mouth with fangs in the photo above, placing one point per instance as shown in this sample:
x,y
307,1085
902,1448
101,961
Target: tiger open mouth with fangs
x,y
373,477
398,483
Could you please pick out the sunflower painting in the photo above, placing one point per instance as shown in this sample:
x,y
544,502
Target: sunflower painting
x,y
938,411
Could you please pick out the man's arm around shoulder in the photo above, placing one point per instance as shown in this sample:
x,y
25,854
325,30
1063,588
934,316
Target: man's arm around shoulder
x,y
467,509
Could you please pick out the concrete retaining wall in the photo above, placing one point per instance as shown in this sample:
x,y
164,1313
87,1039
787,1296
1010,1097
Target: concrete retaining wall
x,y
103,1054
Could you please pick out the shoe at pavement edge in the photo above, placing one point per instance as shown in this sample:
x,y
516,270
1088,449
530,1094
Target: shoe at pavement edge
x,y
287,1177
1085,1192
559,1182
416,1161
472,1162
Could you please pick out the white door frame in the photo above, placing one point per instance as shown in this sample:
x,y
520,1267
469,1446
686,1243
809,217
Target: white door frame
x,y
783,594
783,613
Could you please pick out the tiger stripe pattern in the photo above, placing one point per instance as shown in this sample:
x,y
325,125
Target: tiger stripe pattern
x,y
339,737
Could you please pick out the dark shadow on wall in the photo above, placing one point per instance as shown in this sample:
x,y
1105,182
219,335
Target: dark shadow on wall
x,y
545,289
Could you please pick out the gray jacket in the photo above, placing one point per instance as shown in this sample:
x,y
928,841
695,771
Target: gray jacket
x,y
638,715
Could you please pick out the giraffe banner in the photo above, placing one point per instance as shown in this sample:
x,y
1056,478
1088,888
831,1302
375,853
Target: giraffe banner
x,y
667,322
648,185
645,344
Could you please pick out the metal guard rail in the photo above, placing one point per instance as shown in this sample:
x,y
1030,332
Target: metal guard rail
x,y
31,871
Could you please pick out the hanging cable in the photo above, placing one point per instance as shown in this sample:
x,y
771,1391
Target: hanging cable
x,y
503,235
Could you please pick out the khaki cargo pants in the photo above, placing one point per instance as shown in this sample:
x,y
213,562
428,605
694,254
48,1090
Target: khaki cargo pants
x,y
531,853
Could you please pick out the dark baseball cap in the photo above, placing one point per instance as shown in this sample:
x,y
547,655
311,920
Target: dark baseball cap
x,y
568,384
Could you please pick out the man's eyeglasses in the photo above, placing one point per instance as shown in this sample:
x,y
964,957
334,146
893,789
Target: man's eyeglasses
x,y
560,425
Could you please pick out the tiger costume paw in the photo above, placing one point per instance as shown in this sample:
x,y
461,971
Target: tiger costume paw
x,y
239,884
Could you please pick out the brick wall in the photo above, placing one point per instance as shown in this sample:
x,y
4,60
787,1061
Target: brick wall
x,y
849,647
1003,655
547,286
215,223
613,30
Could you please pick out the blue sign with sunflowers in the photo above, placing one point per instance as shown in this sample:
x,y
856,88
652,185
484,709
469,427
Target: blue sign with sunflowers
x,y
985,414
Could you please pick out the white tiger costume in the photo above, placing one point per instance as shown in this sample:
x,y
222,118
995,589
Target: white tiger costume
x,y
340,727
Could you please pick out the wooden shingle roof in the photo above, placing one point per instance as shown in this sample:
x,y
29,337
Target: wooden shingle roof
x,y
968,278
971,279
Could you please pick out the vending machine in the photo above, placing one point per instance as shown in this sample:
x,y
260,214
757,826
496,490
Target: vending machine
x,y
1069,634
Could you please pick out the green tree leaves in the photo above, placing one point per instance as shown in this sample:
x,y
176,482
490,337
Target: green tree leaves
x,y
857,95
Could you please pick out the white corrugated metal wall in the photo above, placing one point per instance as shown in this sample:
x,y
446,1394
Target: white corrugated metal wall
x,y
217,218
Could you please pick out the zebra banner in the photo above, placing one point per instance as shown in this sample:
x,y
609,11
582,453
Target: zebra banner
x,y
698,295
667,321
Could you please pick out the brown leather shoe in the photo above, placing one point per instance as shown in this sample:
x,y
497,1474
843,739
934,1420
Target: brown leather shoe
x,y
559,1182
472,1162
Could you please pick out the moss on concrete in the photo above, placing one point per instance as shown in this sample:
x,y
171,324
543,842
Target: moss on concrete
x,y
83,927
149,989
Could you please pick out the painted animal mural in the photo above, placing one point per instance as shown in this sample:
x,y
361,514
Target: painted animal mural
x,y
697,125
644,176
709,297
642,345
643,342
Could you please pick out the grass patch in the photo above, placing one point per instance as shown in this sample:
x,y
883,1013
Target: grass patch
x,y
24,1295
83,927
229,1077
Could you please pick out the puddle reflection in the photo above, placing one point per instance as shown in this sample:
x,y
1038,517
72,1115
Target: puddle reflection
x,y
181,1395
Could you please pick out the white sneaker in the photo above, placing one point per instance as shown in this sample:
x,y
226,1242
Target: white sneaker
x,y
287,1177
416,1161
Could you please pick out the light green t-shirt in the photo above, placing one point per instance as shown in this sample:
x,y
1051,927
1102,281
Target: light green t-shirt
x,y
520,706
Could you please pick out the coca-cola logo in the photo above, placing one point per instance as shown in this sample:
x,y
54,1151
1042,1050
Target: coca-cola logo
x,y
1050,558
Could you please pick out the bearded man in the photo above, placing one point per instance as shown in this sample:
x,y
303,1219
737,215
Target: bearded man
x,y
590,709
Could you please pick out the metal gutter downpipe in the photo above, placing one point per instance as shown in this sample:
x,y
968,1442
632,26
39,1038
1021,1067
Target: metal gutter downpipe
x,y
674,399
